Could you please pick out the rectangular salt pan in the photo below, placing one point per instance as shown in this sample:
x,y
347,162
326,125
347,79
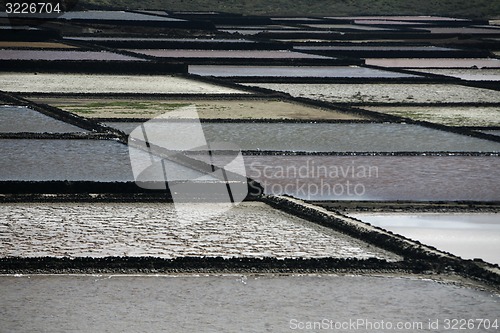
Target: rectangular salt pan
x,y
386,93
435,63
385,178
450,116
231,302
234,54
86,83
15,119
467,74
469,236
74,160
64,55
326,137
294,71
154,229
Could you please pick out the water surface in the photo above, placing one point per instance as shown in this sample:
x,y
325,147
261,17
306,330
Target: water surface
x,y
327,136
14,119
469,236
90,160
250,54
122,303
63,55
294,71
420,178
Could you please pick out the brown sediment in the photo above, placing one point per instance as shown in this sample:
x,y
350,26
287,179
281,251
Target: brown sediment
x,y
35,45
207,109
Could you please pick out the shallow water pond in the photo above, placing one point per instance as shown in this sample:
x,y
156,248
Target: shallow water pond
x,y
419,178
446,115
63,55
435,63
246,54
14,119
232,303
467,73
294,71
469,236
91,160
327,136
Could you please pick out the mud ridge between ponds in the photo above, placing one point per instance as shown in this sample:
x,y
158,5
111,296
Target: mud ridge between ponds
x,y
65,265
412,251
411,206
95,66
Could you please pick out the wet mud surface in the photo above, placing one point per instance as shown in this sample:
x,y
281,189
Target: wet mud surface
x,y
154,229
468,235
207,109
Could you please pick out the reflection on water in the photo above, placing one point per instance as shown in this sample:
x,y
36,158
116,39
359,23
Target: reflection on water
x,y
294,71
15,119
418,178
92,160
49,55
229,303
466,235
328,137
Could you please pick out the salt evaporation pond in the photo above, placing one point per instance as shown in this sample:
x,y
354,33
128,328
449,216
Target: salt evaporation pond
x,y
251,229
37,45
387,178
385,93
64,55
446,115
294,71
462,30
467,73
372,48
92,15
327,137
14,119
468,235
94,83
154,39
90,160
433,19
231,303
345,27
230,54
206,108
435,63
